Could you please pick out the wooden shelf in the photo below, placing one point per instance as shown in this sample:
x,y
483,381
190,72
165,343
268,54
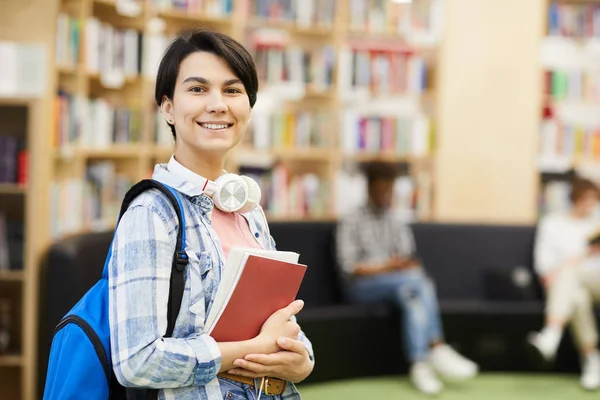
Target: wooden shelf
x,y
292,28
16,101
12,188
186,17
11,361
394,158
11,276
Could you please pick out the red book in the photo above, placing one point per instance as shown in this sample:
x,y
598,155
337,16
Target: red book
x,y
264,286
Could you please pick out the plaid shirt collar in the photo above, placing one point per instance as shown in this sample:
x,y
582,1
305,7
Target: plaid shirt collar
x,y
188,187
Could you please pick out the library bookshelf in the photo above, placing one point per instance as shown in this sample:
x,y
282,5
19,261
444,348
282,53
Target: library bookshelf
x,y
570,126
331,98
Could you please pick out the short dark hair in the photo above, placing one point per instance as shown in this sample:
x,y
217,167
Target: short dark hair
x,y
580,187
235,55
380,171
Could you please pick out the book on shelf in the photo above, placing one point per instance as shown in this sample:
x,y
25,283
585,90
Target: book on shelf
x,y
91,202
94,122
113,53
574,20
68,41
411,197
13,160
291,129
369,68
255,283
11,243
305,13
286,193
402,135
288,69
213,8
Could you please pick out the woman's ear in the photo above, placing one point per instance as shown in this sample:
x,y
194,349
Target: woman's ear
x,y
166,108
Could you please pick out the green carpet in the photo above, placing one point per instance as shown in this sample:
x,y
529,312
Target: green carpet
x,y
484,387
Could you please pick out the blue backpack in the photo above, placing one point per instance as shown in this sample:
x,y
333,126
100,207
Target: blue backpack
x,y
80,365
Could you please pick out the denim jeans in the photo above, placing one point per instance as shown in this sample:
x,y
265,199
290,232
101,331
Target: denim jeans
x,y
233,390
414,293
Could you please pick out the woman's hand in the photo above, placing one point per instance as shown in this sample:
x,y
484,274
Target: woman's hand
x,y
279,325
292,363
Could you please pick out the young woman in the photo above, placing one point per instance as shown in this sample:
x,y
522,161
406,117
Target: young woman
x,y
206,87
569,270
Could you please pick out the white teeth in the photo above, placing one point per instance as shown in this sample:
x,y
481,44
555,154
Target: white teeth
x,y
214,126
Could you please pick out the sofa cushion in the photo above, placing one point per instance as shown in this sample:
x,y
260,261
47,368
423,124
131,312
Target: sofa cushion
x,y
458,256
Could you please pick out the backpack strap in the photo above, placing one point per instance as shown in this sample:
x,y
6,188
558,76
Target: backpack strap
x,y
177,281
180,258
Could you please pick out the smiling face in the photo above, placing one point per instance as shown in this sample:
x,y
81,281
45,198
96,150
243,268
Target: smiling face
x,y
210,108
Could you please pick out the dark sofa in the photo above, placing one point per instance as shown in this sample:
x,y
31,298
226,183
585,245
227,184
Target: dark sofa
x,y
488,296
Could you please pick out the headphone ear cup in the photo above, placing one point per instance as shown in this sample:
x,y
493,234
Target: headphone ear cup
x,y
231,193
254,194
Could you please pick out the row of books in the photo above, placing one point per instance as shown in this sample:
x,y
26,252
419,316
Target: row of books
x,y
302,13
381,71
285,194
91,203
287,129
11,243
94,122
562,143
13,160
411,198
574,20
68,38
115,55
573,85
216,8
279,63
417,22
402,135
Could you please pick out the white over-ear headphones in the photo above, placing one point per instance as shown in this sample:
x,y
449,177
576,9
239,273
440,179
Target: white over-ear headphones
x,y
233,193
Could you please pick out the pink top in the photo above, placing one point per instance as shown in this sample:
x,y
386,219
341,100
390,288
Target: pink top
x,y
232,230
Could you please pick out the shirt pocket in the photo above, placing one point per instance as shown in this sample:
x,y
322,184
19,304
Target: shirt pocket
x,y
200,267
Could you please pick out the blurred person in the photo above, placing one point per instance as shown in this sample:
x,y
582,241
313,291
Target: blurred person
x,y
206,87
377,253
569,270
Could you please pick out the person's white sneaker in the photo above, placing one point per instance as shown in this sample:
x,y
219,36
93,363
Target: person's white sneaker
x,y
590,374
451,365
424,379
546,342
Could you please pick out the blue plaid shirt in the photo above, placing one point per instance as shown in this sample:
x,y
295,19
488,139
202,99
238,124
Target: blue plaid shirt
x,y
186,365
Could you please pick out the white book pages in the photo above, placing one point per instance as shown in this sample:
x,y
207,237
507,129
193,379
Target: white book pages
x,y
232,272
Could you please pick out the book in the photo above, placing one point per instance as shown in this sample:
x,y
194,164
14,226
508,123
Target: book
x,y
255,284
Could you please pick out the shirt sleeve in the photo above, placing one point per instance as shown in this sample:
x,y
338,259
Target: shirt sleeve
x,y
347,245
545,250
139,279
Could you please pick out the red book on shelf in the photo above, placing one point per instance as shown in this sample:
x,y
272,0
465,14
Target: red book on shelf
x,y
264,286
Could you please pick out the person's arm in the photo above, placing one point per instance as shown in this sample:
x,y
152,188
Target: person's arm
x,y
348,248
548,262
139,273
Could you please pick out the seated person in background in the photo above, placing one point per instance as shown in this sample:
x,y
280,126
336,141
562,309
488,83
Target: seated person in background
x,y
375,249
569,270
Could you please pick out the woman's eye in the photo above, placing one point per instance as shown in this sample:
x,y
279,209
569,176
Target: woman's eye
x,y
233,90
197,89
